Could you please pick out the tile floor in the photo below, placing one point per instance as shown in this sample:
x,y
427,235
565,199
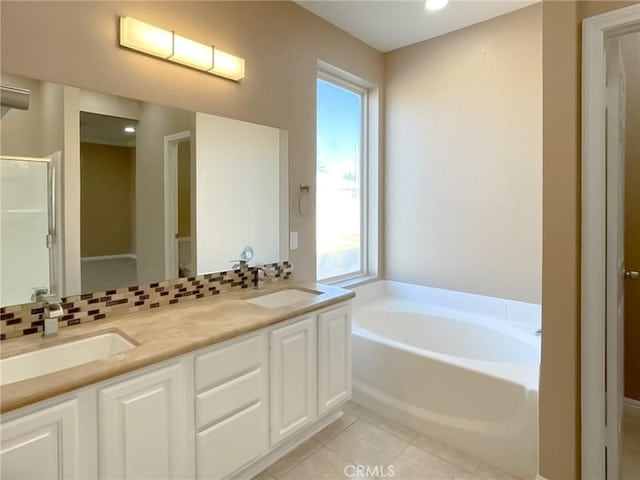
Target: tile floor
x,y
363,437
631,445
101,275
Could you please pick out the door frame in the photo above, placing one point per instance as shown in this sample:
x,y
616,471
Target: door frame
x,y
171,201
593,303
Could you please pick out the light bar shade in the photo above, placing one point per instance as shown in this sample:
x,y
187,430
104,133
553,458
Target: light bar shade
x,y
227,65
168,45
192,54
145,38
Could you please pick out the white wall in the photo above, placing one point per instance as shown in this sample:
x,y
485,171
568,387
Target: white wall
x,y
464,159
238,185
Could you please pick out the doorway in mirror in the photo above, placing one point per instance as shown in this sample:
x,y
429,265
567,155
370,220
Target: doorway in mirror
x,y
179,173
107,201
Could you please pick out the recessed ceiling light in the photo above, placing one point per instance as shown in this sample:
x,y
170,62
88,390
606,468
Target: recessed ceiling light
x,y
130,129
436,4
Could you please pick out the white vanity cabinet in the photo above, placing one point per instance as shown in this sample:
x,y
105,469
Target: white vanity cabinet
x,y
334,358
231,417
223,412
42,445
142,426
293,377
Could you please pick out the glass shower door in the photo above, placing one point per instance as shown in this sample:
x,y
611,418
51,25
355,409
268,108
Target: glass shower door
x,y
25,193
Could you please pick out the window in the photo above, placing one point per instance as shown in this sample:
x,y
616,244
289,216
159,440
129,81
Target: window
x,y
341,179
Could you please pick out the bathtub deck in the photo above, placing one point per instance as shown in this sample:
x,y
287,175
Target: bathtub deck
x,y
362,437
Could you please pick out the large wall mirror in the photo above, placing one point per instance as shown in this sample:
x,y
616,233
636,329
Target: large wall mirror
x,y
100,192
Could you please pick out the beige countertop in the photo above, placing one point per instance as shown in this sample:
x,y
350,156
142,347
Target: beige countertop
x,y
160,334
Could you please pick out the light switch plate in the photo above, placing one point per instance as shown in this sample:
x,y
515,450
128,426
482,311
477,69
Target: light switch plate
x,y
293,240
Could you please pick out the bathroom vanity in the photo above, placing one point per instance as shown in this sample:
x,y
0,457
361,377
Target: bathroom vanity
x,y
215,388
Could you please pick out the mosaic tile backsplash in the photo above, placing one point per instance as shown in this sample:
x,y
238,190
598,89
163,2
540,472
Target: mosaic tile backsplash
x,y
26,319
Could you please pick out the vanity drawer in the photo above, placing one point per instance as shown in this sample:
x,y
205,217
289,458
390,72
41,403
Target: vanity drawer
x,y
229,361
229,397
232,443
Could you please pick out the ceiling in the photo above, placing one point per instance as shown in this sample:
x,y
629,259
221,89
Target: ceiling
x,y
106,130
387,25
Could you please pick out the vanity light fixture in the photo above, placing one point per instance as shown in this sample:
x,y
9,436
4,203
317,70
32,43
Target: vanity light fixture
x,y
158,42
436,4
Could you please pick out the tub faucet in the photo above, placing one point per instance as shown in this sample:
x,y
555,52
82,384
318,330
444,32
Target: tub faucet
x,y
52,310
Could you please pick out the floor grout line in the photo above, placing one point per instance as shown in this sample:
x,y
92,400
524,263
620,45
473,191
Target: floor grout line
x,y
371,421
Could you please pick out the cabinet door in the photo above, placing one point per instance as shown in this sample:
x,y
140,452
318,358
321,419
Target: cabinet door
x,y
142,424
293,378
42,445
334,358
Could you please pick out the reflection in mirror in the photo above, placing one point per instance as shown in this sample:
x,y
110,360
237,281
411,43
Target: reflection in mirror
x,y
151,192
244,164
24,227
132,215
107,201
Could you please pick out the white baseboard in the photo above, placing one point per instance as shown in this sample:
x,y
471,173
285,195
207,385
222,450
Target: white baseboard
x,y
101,258
540,477
632,404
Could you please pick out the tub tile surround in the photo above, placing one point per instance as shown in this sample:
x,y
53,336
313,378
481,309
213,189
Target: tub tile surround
x,y
28,318
362,435
518,314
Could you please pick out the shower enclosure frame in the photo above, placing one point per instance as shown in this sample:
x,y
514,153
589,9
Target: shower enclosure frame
x,y
54,220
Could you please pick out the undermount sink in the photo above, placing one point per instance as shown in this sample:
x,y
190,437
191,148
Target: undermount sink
x,y
58,357
283,298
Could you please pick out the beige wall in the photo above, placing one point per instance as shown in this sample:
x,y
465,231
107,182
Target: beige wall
x,y
75,43
37,131
155,122
107,199
631,55
464,159
559,370
559,447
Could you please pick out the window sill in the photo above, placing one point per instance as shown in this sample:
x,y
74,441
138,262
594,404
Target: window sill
x,y
354,282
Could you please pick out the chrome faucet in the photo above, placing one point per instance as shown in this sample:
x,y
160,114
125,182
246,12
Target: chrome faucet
x,y
245,256
52,310
261,272
239,264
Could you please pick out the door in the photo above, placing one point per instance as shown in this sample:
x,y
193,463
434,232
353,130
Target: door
x,y
26,193
334,358
293,378
42,445
615,151
142,427
178,213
